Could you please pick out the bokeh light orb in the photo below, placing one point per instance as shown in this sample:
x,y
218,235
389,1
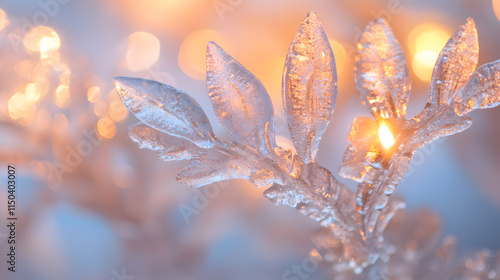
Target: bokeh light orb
x,y
192,54
426,42
41,39
3,19
143,50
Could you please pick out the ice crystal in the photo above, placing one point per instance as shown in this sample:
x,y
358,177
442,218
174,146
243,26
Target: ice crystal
x,y
352,241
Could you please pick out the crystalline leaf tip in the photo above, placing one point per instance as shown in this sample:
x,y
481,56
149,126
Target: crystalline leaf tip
x,y
481,91
241,102
309,87
381,72
165,108
455,64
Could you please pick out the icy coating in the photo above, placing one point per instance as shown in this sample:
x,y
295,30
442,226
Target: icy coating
x,y
357,241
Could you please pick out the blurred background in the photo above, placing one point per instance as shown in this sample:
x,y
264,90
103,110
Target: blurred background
x,y
92,205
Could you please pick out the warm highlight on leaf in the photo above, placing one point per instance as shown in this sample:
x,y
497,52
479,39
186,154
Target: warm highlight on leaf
x,y
455,64
168,147
482,90
240,101
381,72
309,87
165,108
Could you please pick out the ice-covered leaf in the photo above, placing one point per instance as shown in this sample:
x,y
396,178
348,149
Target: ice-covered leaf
x,y
381,72
309,87
240,101
167,147
455,64
213,167
481,91
431,124
165,108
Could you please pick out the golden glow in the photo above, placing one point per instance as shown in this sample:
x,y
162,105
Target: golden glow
x,y
143,51
100,108
48,44
385,136
496,8
42,39
17,105
426,42
3,19
106,127
32,93
94,94
192,54
62,97
117,111
340,55
423,64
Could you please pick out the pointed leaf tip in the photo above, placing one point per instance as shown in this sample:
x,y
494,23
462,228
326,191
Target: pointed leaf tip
x,y
381,72
309,87
455,64
240,101
165,108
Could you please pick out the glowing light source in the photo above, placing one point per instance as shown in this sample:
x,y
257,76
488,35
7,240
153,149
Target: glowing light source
x,y
3,19
385,136
106,127
193,50
426,42
143,51
117,111
94,94
17,105
32,93
62,97
496,8
423,64
42,39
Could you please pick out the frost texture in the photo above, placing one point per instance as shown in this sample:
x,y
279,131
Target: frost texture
x,y
357,240
309,87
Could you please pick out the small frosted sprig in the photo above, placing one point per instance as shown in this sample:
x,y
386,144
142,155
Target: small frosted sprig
x,y
176,127
383,80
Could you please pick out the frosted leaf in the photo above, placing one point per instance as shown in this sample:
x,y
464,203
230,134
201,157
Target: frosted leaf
x,y
381,73
455,64
165,108
481,91
309,87
433,123
241,102
213,167
168,147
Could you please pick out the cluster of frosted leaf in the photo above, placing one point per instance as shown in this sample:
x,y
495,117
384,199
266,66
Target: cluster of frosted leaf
x,y
383,80
414,250
175,126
